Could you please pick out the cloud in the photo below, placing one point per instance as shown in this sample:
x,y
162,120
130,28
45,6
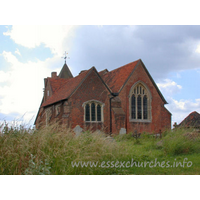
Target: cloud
x,y
169,87
53,37
181,109
24,81
163,49
18,52
4,77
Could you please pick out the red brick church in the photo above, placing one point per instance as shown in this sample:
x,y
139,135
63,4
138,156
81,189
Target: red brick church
x,y
125,99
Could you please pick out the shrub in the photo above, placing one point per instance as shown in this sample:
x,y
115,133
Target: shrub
x,y
176,143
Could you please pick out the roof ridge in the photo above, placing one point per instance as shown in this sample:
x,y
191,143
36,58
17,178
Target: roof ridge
x,y
116,78
123,66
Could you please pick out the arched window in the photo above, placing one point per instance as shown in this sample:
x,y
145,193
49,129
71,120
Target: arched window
x,y
93,111
140,103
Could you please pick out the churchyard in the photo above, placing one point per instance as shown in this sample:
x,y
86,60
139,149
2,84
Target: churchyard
x,y
55,150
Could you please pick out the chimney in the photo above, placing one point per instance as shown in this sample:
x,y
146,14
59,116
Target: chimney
x,y
53,74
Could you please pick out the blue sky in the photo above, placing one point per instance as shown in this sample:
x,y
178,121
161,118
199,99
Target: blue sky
x,y
28,54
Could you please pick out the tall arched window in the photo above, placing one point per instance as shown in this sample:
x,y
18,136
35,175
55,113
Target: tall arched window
x,y
140,103
93,111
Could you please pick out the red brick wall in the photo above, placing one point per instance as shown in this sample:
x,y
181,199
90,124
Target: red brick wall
x,y
72,111
91,89
161,118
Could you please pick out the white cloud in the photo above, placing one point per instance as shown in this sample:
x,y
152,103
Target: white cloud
x,y
198,49
181,109
169,87
18,52
4,77
24,82
52,37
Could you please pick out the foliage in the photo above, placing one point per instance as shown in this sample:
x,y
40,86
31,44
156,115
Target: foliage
x,y
52,149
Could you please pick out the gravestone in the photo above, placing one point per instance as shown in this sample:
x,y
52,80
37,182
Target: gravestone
x,y
122,131
77,130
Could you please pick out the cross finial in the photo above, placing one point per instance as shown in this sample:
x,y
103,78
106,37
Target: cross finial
x,y
65,56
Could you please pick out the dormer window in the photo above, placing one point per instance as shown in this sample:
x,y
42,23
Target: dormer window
x,y
48,93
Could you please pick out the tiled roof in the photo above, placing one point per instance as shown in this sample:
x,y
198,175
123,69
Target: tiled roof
x,y
115,79
66,89
57,83
101,73
63,88
192,120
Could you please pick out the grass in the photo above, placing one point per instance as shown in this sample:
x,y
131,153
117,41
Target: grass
x,y
54,150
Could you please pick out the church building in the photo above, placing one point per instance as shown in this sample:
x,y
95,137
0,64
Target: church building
x,y
122,100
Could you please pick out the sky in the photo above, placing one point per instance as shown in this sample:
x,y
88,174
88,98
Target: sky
x,y
29,53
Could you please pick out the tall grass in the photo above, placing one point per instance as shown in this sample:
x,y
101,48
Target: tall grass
x,y
52,149
181,141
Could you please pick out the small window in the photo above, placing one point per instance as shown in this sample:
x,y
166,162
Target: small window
x,y
93,111
48,93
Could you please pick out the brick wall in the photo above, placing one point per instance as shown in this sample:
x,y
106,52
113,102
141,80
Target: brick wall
x,y
91,89
161,118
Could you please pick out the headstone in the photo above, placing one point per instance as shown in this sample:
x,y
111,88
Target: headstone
x,y
77,130
122,131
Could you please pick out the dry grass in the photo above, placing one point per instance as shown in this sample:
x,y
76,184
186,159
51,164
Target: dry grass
x,y
51,150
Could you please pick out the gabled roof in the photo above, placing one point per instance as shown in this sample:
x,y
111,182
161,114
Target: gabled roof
x,y
66,89
115,79
69,86
192,120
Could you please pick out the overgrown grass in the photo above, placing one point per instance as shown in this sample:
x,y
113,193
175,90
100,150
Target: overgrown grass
x,y
53,150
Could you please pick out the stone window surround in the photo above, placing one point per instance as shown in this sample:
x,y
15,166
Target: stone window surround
x,y
149,100
96,102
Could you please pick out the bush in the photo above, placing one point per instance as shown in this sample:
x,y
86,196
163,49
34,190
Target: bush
x,y
176,143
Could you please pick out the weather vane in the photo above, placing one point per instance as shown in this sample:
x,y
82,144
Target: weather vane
x,y
65,56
